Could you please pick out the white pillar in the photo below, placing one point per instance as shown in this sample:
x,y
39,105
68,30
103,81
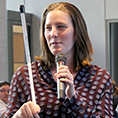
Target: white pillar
x,y
3,42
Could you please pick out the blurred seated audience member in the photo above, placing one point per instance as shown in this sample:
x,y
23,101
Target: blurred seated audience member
x,y
4,92
115,98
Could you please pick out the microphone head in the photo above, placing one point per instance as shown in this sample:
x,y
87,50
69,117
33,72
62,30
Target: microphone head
x,y
60,57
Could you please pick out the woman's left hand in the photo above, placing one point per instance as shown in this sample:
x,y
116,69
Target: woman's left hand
x,y
63,71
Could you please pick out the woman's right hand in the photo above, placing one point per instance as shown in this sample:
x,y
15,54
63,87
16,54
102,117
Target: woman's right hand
x,y
28,110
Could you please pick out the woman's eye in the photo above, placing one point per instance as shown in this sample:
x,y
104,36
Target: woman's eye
x,y
48,28
61,26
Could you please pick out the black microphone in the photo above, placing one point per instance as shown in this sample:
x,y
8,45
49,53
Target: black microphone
x,y
60,59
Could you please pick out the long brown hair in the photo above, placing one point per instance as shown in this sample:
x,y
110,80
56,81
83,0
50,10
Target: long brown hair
x,y
83,47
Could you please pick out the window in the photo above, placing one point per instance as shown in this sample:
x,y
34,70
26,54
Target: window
x,y
112,48
16,50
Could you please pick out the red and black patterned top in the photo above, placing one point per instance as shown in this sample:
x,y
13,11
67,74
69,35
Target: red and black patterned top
x,y
93,98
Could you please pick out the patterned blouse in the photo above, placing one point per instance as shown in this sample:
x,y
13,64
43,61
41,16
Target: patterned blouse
x,y
93,98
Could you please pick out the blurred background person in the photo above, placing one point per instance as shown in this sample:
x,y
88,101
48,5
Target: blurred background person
x,y
115,98
4,93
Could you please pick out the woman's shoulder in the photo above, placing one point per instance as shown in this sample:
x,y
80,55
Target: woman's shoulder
x,y
98,70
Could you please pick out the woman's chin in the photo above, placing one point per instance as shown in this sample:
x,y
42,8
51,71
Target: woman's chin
x,y
56,52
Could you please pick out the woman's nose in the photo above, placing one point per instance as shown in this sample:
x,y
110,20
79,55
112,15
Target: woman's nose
x,y
7,92
54,32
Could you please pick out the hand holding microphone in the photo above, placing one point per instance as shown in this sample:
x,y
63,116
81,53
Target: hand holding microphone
x,y
66,84
60,60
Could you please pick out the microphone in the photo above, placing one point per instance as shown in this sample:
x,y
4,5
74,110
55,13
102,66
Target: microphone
x,y
60,59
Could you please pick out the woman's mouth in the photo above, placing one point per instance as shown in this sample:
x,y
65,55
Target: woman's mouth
x,y
56,43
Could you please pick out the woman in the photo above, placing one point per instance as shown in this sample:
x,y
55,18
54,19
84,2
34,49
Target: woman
x,y
88,87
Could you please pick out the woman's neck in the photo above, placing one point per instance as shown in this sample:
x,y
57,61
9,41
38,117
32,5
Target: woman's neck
x,y
69,63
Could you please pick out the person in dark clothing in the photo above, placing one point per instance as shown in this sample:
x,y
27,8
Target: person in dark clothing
x,y
115,98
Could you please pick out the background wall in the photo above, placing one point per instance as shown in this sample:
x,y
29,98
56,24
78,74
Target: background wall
x,y
95,12
111,9
3,42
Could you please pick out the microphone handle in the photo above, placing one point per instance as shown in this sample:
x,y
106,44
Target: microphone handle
x,y
60,85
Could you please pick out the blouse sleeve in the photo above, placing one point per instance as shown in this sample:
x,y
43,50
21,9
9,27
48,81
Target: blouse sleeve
x,y
98,105
19,92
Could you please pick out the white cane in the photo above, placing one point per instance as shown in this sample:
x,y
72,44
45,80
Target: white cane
x,y
22,13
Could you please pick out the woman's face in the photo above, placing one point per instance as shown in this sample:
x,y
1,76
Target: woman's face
x,y
59,32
